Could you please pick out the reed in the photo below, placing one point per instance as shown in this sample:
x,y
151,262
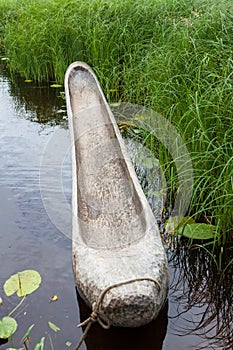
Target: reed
x,y
173,56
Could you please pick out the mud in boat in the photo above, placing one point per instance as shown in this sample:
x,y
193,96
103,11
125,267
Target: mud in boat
x,y
119,260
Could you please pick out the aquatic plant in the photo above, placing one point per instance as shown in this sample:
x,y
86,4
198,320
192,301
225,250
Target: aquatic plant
x,y
173,56
23,283
197,286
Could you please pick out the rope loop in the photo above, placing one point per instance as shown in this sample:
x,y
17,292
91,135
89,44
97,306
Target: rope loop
x,y
96,307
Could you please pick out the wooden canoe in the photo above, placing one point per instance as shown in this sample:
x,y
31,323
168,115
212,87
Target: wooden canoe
x,y
119,261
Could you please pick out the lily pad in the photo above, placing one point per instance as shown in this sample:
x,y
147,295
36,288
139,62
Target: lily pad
x,y
198,231
8,326
24,283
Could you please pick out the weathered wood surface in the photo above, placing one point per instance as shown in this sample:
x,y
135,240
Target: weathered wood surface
x,y
115,235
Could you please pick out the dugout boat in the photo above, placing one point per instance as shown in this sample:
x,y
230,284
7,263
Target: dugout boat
x,y
119,260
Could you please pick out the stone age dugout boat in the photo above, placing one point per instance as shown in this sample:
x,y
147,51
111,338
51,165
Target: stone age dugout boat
x,y
118,257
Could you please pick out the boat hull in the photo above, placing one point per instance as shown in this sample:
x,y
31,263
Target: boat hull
x,y
118,255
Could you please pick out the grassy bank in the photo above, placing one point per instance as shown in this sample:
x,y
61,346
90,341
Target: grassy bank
x,y
174,56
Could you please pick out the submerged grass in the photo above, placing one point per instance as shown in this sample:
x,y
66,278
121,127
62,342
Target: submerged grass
x,y
174,56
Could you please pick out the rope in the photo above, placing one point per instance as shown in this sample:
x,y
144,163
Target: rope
x,y
96,307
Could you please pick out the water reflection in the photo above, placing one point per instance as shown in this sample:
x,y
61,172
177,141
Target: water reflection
x,y
203,297
148,337
42,104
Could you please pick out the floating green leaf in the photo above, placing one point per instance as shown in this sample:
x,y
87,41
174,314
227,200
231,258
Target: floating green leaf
x,y
197,231
115,104
56,86
8,326
125,125
174,222
150,163
137,131
142,117
68,343
24,283
53,327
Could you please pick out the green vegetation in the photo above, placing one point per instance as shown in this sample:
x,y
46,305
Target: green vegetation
x,y
24,283
174,56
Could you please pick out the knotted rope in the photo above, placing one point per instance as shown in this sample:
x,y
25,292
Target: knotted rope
x,y
96,307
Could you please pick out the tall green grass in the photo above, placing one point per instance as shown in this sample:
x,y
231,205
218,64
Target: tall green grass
x,y
174,56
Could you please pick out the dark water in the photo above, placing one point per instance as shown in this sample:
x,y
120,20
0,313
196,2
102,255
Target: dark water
x,y
35,234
